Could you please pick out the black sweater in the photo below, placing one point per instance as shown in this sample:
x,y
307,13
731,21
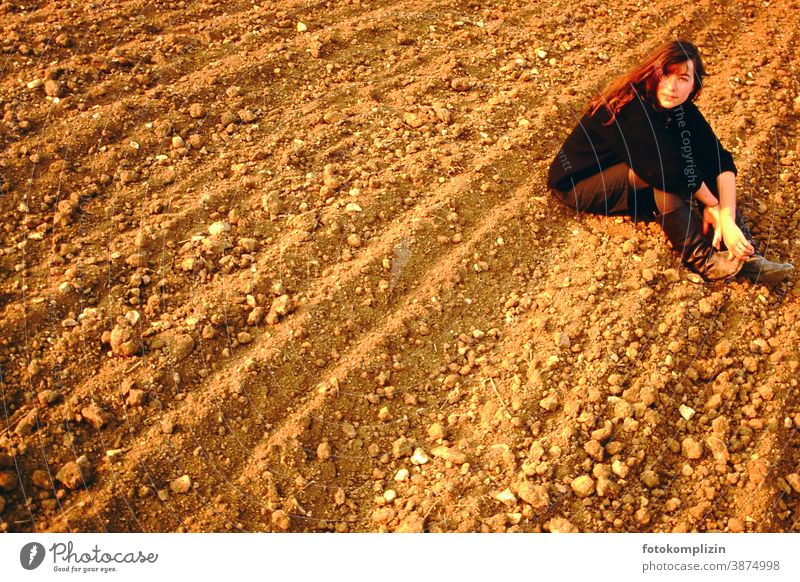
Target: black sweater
x,y
674,150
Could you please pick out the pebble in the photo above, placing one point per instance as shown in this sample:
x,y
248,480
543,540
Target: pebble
x,y
182,346
401,475
135,397
248,244
244,337
413,120
302,27
602,434
718,449
402,447
793,480
620,469
562,341
256,316
691,449
53,88
560,525
124,342
6,461
246,116
686,412
94,415
282,305
76,474
412,523
594,449
583,486
132,318
349,430
352,207
735,525
535,495
353,240
460,84
671,275
181,484
622,409
8,481
339,496
47,397
324,451
27,424
281,520
436,431
706,307
196,111
650,479
219,227
272,204
448,454
383,515
723,348
419,457
506,497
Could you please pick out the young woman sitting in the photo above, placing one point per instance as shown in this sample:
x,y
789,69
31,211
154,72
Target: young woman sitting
x,y
643,147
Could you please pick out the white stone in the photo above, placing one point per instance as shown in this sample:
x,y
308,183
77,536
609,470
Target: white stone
x,y
686,412
218,227
419,457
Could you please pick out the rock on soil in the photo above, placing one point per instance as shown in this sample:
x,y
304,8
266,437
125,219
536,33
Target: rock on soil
x,y
182,484
76,474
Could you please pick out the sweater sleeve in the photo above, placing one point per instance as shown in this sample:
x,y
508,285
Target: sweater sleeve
x,y
640,137
712,157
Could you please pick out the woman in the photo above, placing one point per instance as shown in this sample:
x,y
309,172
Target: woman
x,y
644,147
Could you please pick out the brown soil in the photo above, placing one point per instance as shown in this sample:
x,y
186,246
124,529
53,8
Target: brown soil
x,y
328,255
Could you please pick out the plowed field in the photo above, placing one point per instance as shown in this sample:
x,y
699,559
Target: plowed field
x,y
294,266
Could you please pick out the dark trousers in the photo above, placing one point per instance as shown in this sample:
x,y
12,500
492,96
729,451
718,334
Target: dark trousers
x,y
610,193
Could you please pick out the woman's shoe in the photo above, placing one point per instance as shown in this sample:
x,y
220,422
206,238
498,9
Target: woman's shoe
x,y
683,231
759,270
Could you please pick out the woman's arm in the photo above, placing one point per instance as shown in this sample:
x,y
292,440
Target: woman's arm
x,y
710,213
721,215
731,233
705,196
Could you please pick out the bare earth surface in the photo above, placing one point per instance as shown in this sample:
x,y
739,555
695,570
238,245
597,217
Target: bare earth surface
x,y
293,266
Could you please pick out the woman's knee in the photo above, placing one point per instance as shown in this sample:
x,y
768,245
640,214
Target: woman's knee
x,y
635,181
666,201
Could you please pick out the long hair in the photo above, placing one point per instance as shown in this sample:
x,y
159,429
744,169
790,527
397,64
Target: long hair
x,y
643,79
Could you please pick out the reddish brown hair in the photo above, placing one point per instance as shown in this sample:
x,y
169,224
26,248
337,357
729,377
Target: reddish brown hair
x,y
643,79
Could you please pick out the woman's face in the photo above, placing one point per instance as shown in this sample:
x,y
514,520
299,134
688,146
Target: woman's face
x,y
676,85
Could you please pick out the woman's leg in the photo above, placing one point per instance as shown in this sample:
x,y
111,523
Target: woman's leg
x,y
757,269
684,230
604,193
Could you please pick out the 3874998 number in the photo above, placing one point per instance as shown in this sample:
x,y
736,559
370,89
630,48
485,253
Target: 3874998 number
x,y
755,565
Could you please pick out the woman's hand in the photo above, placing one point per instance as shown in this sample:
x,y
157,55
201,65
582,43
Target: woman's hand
x,y
711,218
734,239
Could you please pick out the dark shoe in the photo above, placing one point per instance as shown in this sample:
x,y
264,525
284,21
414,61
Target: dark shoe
x,y
757,269
684,232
